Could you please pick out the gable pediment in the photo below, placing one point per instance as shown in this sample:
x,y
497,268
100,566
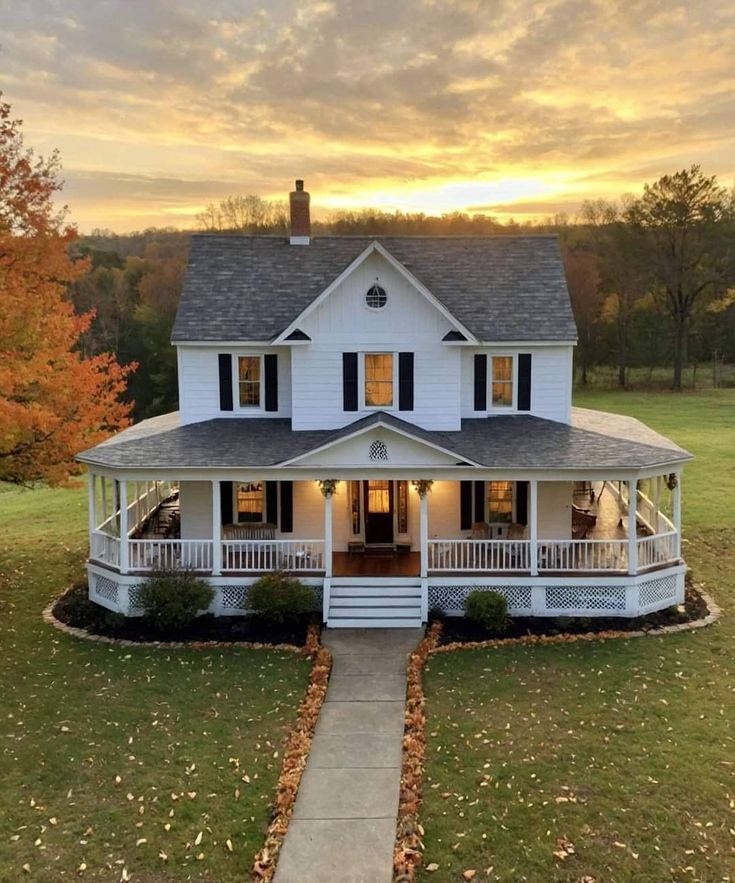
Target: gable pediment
x,y
378,446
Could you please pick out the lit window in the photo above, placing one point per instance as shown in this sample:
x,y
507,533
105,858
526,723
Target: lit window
x,y
378,380
378,497
355,506
502,381
500,500
402,507
248,376
250,502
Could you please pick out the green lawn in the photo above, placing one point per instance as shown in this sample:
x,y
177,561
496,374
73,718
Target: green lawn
x,y
623,749
118,758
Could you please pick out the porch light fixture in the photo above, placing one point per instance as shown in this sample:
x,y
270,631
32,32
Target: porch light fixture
x,y
671,481
328,486
422,486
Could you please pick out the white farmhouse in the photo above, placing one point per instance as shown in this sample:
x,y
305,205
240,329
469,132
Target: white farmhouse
x,y
391,419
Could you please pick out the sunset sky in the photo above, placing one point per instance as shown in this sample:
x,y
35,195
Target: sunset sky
x,y
508,106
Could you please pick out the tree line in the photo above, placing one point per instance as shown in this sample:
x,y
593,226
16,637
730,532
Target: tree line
x,y
651,278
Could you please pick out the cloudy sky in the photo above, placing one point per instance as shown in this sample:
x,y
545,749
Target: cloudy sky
x,y
516,107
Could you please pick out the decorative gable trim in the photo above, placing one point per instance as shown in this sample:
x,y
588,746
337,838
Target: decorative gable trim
x,y
375,246
381,424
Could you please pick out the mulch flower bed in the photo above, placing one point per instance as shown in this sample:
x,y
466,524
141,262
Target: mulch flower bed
x,y
75,609
458,630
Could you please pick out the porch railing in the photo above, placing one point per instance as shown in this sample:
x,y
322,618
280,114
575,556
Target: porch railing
x,y
258,555
656,549
582,555
473,555
170,555
105,548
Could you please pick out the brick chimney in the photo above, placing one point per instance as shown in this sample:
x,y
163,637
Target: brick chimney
x,y
300,218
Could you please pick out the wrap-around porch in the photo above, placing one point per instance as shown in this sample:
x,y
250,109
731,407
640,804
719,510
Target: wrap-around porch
x,y
419,528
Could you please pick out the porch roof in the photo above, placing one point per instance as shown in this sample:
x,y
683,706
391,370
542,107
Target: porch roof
x,y
594,440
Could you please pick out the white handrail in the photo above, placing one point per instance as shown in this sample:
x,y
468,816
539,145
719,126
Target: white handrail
x,y
584,555
263,555
657,549
474,555
151,554
105,548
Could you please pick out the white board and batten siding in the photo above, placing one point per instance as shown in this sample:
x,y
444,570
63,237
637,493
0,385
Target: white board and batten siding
x,y
551,380
199,382
344,323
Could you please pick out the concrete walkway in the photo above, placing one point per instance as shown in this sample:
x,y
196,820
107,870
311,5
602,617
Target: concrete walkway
x,y
344,822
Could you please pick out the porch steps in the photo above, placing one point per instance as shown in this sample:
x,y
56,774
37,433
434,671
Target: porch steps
x,y
364,602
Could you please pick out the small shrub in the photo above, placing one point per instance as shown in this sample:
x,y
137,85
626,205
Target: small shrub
x,y
436,614
172,600
488,609
279,598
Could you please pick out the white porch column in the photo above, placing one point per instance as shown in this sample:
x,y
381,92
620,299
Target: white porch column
x,y
657,481
424,533
533,525
632,525
92,503
124,548
103,482
216,529
677,515
328,486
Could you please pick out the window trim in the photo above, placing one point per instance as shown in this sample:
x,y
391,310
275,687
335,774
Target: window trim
x,y
361,380
236,382
514,381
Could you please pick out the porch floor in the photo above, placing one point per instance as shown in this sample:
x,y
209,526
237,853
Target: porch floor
x,y
376,563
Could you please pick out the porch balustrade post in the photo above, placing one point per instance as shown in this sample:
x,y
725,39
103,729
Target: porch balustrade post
x,y
632,525
677,516
533,527
124,548
216,529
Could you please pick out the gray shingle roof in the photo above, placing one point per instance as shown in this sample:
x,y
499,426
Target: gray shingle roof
x,y
506,442
251,288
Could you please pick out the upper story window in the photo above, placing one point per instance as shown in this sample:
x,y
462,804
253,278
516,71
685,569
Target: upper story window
x,y
378,371
376,297
249,377
502,381
500,501
250,502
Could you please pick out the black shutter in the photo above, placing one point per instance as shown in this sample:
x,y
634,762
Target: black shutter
x,y
522,502
405,381
349,381
479,500
524,381
225,382
271,382
286,507
465,505
480,382
225,497
271,502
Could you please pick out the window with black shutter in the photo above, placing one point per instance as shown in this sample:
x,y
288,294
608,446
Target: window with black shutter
x,y
349,381
480,382
405,381
271,381
286,501
465,505
524,382
225,381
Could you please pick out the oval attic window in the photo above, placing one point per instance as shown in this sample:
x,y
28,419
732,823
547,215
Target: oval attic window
x,y
376,297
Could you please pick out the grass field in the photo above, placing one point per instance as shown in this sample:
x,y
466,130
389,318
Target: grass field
x,y
120,763
622,751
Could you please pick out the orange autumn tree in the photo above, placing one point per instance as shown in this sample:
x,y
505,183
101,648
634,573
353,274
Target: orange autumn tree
x,y
53,402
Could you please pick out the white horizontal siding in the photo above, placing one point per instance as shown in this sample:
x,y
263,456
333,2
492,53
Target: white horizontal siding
x,y
343,323
199,383
551,380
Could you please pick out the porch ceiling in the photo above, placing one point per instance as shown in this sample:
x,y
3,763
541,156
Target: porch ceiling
x,y
509,442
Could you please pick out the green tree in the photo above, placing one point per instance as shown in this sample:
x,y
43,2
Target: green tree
x,y
684,224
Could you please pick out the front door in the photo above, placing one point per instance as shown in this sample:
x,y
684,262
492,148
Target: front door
x,y
378,512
